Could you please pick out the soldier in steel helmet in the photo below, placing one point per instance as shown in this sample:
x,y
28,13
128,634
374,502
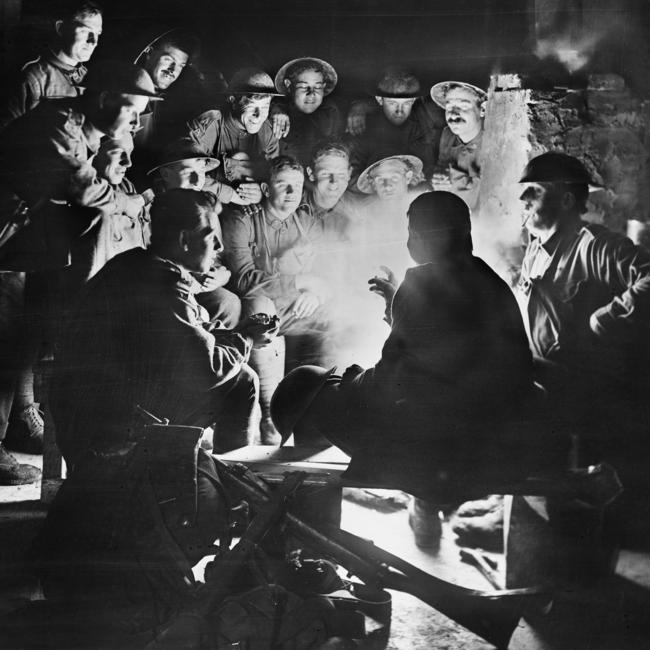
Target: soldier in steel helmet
x,y
585,292
44,163
454,368
392,130
242,128
458,168
307,115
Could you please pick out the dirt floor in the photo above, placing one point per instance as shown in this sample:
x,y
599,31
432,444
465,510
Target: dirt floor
x,y
609,615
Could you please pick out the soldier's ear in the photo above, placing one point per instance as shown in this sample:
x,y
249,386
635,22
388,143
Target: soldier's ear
x,y
409,175
163,172
183,240
481,109
379,100
265,189
287,84
102,98
568,200
58,28
310,174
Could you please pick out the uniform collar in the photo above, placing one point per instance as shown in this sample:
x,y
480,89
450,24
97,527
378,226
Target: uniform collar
x,y
309,205
184,275
75,72
472,144
233,126
279,224
564,231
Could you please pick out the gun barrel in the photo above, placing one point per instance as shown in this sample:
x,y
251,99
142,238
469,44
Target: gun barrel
x,y
491,615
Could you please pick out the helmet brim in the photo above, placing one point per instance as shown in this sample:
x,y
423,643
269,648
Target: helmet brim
x,y
413,162
439,91
330,74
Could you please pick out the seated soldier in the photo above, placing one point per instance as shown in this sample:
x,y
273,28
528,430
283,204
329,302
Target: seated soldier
x,y
326,193
59,70
458,168
242,128
454,368
428,116
120,231
182,165
349,251
393,130
270,247
391,184
309,115
138,338
585,293
376,239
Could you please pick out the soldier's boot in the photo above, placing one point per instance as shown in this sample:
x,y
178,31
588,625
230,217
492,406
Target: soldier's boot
x,y
14,473
424,520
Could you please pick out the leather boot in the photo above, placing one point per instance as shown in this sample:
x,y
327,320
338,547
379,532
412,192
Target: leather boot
x,y
14,473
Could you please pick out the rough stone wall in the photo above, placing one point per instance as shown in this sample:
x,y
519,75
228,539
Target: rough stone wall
x,y
505,151
605,126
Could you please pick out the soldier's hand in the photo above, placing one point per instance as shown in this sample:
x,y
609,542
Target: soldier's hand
x,y
356,123
248,192
281,124
214,278
134,205
385,287
441,182
305,305
260,328
351,372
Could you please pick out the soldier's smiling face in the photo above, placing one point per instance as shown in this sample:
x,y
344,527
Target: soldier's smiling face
x,y
330,178
463,112
254,112
165,64
308,90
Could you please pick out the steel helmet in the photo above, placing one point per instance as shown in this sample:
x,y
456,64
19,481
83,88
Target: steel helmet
x,y
396,82
120,77
329,73
556,167
294,395
251,81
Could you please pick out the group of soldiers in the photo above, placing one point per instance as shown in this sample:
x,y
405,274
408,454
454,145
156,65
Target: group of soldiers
x,y
203,290
308,209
